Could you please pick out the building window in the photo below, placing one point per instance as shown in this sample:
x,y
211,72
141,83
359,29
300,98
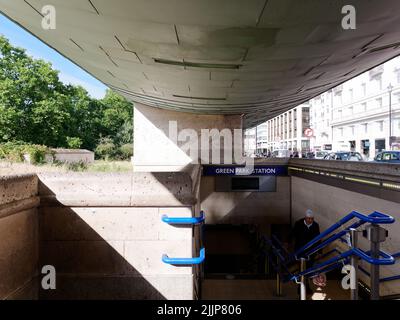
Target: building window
x,y
363,106
339,98
397,97
339,113
351,110
379,102
351,94
365,125
352,130
380,125
378,80
364,89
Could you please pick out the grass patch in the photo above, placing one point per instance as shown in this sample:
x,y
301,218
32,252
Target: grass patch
x,y
110,166
11,168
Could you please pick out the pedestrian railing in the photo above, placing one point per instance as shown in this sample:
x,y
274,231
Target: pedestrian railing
x,y
396,256
282,260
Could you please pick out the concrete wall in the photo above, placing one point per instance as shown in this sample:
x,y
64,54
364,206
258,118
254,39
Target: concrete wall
x,y
19,237
153,148
262,208
332,203
104,235
73,156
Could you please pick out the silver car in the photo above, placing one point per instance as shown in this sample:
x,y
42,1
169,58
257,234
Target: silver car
x,y
344,156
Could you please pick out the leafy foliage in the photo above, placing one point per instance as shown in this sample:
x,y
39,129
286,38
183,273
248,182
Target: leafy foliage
x,y
106,149
74,142
16,152
126,151
38,109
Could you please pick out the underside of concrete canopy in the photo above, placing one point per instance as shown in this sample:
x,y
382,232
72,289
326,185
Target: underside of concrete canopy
x,y
256,58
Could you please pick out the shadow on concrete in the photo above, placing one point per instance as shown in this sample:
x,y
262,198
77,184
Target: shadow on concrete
x,y
88,266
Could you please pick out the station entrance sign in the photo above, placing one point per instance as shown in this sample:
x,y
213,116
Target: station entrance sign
x,y
243,171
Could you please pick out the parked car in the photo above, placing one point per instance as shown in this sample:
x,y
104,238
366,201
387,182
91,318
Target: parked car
x,y
320,154
309,155
388,157
281,153
345,156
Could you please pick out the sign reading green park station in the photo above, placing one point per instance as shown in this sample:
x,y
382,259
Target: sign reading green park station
x,y
244,171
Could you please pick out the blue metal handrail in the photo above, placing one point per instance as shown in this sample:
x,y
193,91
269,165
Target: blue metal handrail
x,y
184,220
331,239
275,238
381,253
374,218
278,269
278,254
329,268
392,278
313,247
185,261
386,260
386,279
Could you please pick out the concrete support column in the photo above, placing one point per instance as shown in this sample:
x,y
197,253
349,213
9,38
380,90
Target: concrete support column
x,y
372,152
164,139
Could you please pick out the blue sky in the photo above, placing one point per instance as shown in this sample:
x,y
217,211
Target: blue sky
x,y
69,72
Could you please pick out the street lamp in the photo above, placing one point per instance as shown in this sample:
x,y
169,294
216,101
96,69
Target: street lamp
x,y
390,88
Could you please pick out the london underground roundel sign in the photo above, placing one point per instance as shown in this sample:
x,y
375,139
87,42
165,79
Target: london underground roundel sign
x,y
309,132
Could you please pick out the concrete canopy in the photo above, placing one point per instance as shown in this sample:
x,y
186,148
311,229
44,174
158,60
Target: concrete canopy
x,y
258,58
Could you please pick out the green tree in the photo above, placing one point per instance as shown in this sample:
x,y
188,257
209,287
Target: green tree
x,y
74,142
86,116
37,108
30,97
117,118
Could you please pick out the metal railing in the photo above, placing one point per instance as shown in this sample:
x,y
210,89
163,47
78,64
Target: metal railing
x,y
190,221
386,260
185,261
374,218
184,220
385,279
283,258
